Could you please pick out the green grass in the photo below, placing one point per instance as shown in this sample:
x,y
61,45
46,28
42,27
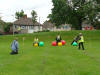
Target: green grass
x,y
48,60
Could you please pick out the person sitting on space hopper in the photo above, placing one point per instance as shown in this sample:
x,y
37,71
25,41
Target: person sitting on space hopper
x,y
76,39
58,38
36,40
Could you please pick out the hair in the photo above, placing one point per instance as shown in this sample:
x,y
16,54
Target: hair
x,y
80,34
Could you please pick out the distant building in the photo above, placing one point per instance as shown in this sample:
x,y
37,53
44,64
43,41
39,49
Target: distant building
x,y
52,27
87,26
1,26
48,26
26,25
65,27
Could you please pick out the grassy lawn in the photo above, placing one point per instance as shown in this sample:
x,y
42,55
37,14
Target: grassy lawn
x,y
48,60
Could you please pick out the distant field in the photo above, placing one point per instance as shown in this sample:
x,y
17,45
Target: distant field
x,y
48,60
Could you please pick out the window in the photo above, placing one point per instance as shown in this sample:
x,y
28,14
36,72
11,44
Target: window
x,y
23,27
31,27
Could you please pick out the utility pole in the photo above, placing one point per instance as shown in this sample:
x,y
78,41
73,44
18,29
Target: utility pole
x,y
39,23
13,25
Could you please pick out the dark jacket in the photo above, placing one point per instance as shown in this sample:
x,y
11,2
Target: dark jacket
x,y
58,38
76,39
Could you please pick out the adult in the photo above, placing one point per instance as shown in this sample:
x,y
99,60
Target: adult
x,y
58,38
14,46
81,41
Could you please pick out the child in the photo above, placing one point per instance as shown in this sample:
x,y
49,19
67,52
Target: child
x,y
36,40
58,39
14,47
81,41
75,39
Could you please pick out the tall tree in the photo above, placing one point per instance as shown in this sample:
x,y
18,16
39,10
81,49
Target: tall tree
x,y
59,12
34,16
7,26
20,14
85,10
74,12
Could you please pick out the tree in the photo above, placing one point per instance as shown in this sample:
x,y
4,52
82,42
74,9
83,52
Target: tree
x,y
74,12
2,23
34,16
20,14
7,27
59,12
85,10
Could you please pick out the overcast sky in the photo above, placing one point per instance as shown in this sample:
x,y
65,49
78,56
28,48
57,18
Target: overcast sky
x,y
9,7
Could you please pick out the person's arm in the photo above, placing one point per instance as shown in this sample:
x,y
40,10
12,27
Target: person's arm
x,y
72,42
56,38
77,38
12,43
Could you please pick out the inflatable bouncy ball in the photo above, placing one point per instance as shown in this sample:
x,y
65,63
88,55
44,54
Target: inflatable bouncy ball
x,y
41,44
75,44
60,44
63,42
36,45
54,43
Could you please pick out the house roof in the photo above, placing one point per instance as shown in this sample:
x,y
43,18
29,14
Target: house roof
x,y
47,24
25,21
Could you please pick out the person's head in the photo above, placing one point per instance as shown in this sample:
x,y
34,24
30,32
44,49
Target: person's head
x,y
80,34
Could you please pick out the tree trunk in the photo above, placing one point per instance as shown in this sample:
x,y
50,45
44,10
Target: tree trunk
x,y
80,24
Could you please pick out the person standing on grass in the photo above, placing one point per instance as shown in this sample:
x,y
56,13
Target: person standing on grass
x,y
81,41
58,38
14,46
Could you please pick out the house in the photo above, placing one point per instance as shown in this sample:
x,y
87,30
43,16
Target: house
x,y
26,25
65,27
2,23
48,26
1,30
87,26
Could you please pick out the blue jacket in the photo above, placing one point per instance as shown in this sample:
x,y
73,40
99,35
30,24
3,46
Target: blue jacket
x,y
14,46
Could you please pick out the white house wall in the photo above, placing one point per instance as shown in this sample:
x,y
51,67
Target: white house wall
x,y
29,29
35,29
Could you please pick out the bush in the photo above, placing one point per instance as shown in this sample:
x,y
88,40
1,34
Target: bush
x,y
46,31
43,31
7,28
